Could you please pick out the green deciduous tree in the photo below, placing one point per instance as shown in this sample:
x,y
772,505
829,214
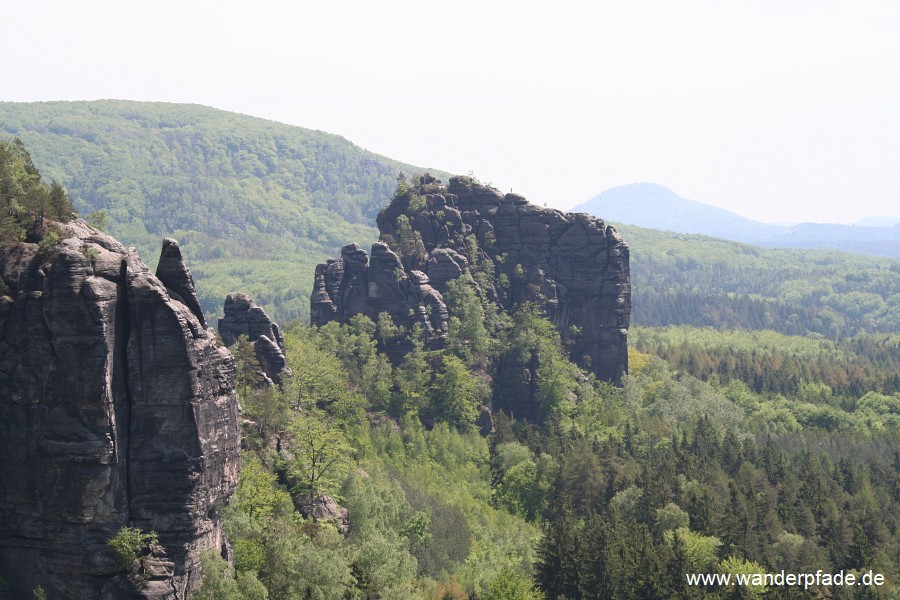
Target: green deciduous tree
x,y
220,583
411,378
510,584
456,393
320,451
468,335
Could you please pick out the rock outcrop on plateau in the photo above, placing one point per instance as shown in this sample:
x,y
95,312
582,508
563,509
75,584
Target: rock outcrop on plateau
x,y
244,317
117,408
573,265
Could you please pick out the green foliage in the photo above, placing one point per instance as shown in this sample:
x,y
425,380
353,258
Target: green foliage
x,y
128,543
354,344
739,566
771,362
320,379
701,550
220,583
25,200
257,494
409,246
49,241
457,394
511,585
671,518
412,378
632,487
39,593
694,280
524,482
249,374
533,340
98,219
384,568
468,336
298,566
320,450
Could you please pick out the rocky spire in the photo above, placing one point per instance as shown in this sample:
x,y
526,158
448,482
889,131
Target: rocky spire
x,y
175,275
244,317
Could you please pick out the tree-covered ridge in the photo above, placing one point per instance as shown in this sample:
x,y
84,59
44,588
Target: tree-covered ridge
x,y
255,204
682,279
770,362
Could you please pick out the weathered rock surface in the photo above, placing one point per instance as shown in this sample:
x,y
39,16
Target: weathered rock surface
x,y
116,408
244,317
573,265
353,285
325,509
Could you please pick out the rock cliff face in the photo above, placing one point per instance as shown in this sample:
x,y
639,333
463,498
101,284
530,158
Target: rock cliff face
x,y
353,285
573,265
116,408
244,317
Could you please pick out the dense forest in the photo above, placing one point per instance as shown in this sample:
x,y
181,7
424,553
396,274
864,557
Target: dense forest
x,y
722,452
615,493
682,279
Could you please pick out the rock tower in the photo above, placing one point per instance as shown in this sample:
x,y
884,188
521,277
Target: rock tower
x,y
573,265
117,408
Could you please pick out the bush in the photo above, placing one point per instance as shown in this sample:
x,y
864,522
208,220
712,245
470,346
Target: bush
x,y
128,543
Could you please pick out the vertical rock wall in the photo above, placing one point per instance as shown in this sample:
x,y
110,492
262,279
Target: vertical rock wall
x,y
116,408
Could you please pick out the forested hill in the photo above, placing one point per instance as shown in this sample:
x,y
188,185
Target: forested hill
x,y
683,279
254,203
257,204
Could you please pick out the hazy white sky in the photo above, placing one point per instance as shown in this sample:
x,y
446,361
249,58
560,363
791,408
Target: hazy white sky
x,y
779,111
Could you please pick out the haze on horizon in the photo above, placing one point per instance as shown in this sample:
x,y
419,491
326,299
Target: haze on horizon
x,y
780,112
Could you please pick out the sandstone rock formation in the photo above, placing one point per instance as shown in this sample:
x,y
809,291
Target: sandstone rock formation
x,y
244,317
326,510
116,408
573,265
353,285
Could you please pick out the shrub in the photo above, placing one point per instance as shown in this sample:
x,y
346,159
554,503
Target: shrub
x,y
128,543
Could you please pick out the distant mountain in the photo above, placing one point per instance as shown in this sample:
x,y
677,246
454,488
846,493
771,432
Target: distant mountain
x,y
255,204
653,206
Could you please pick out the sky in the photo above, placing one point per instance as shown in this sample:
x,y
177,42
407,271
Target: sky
x,y
781,111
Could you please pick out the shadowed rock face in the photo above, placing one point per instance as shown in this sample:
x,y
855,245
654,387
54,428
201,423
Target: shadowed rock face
x,y
353,285
116,408
244,317
573,265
